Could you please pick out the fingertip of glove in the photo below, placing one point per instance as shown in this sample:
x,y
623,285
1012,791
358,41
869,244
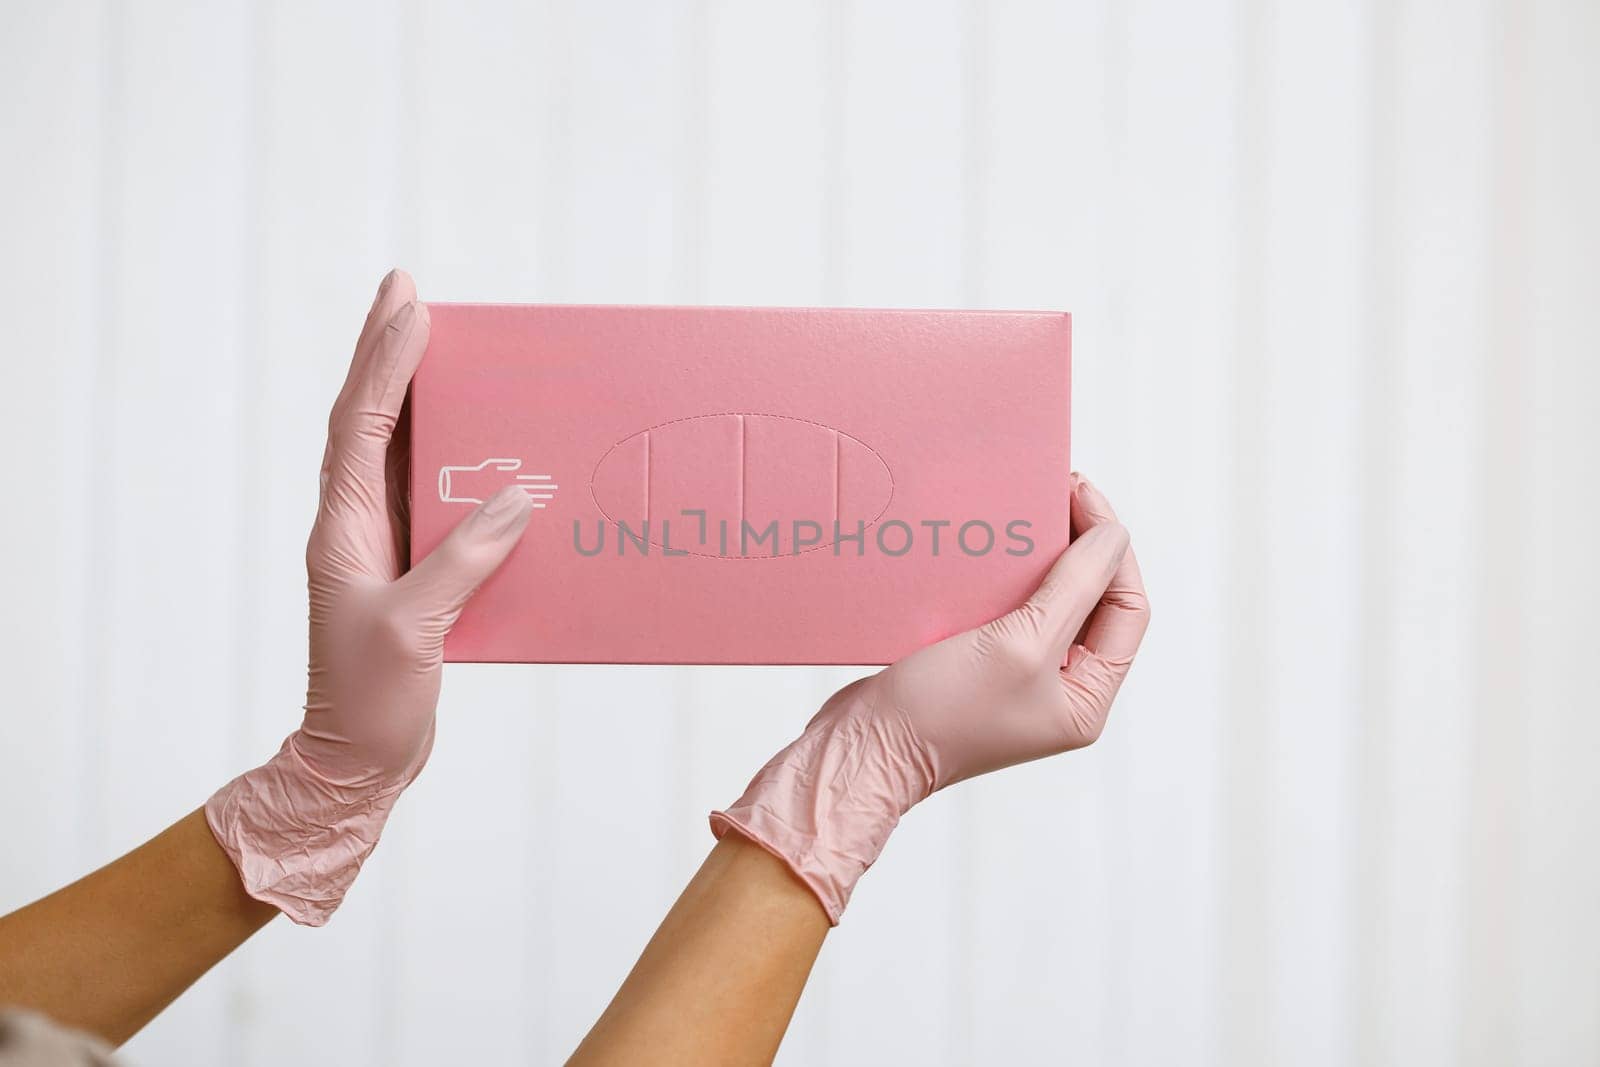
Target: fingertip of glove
x,y
505,512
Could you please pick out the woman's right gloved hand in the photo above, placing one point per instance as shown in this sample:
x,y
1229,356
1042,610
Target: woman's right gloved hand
x,y
1033,683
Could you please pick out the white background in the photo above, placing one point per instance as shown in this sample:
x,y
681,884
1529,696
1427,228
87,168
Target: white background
x,y
1334,271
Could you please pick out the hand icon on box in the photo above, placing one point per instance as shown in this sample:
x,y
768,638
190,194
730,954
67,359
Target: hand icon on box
x,y
478,482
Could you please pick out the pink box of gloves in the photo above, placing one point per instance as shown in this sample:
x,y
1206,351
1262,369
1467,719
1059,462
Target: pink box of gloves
x,y
743,485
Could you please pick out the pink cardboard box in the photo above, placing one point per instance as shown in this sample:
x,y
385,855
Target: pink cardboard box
x,y
744,485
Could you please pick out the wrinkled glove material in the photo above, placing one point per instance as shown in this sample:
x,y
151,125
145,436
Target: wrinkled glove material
x,y
1035,682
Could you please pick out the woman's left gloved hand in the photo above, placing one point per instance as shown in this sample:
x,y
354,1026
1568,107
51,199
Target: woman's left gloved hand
x,y
1035,682
299,827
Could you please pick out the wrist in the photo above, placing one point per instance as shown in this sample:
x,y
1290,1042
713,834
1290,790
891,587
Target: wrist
x,y
827,804
764,882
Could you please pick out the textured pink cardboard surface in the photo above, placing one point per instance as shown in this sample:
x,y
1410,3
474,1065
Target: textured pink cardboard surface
x,y
700,425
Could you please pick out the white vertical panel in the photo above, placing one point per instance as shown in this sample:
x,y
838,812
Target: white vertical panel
x,y
1045,136
1441,177
625,93
481,151
1173,491
50,222
1245,928
1307,317
901,165
172,449
1377,655
1497,763
1558,950
608,842
765,163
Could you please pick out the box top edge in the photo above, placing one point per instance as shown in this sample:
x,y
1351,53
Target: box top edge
x,y
1013,312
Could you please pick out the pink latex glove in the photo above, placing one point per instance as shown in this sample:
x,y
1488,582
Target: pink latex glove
x,y
299,827
973,703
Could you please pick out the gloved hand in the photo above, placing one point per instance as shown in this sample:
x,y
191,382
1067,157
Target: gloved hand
x,y
1032,683
299,827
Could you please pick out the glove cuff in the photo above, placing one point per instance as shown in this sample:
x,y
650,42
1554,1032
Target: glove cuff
x,y
297,840
827,804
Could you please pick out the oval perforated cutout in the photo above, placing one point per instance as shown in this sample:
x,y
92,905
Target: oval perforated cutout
x,y
741,485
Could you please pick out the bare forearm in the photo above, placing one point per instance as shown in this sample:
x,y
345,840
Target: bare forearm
x,y
108,952
720,979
